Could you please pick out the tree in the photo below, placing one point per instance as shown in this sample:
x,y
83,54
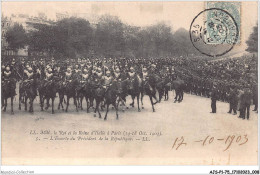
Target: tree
x,y
16,37
109,37
68,37
252,41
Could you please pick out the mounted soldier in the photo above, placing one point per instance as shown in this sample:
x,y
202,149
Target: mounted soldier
x,y
77,71
68,76
48,78
131,73
117,74
107,80
8,88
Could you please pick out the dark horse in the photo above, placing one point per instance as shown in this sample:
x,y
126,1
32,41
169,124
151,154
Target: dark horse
x,y
8,91
134,89
122,92
71,92
86,91
150,91
49,92
111,98
27,90
178,85
99,94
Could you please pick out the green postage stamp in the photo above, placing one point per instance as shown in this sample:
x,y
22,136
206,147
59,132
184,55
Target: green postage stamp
x,y
219,28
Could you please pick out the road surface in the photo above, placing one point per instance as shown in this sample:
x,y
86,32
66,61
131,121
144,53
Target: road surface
x,y
183,133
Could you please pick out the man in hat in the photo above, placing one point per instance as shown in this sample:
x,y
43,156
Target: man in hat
x,y
233,101
255,95
68,76
131,73
214,97
107,80
117,74
246,102
8,77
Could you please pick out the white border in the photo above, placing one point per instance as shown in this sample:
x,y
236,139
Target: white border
x,y
129,169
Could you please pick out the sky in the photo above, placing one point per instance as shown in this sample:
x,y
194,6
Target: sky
x,y
176,14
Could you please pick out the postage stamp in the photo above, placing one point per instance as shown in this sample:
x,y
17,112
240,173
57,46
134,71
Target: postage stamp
x,y
214,32
234,9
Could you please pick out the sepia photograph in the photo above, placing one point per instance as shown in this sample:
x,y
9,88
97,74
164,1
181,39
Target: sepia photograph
x,y
129,83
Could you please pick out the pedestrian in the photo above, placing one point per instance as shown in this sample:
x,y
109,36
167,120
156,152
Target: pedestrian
x,y
214,97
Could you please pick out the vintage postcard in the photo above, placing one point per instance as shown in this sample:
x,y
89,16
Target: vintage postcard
x,y
129,83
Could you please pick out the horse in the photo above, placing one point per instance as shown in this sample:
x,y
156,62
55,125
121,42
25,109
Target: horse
x,y
150,91
134,89
122,92
27,90
8,91
71,92
86,90
178,85
61,92
99,94
111,98
49,92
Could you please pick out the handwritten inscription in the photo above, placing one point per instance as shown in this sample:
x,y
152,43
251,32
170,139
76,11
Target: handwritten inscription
x,y
115,136
226,141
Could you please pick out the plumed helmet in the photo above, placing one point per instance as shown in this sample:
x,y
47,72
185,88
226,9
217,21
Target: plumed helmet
x,y
29,69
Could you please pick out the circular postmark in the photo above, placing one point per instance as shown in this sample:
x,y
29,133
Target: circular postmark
x,y
214,32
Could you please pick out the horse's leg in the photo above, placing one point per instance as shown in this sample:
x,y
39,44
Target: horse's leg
x,y
176,95
98,108
151,99
12,105
88,105
61,101
31,105
41,101
20,99
116,107
5,104
52,105
81,99
160,95
2,100
133,99
142,96
68,100
91,101
106,111
154,96
95,110
75,103
138,96
47,103
25,103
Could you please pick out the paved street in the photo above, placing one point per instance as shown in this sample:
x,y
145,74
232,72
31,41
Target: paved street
x,y
206,135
